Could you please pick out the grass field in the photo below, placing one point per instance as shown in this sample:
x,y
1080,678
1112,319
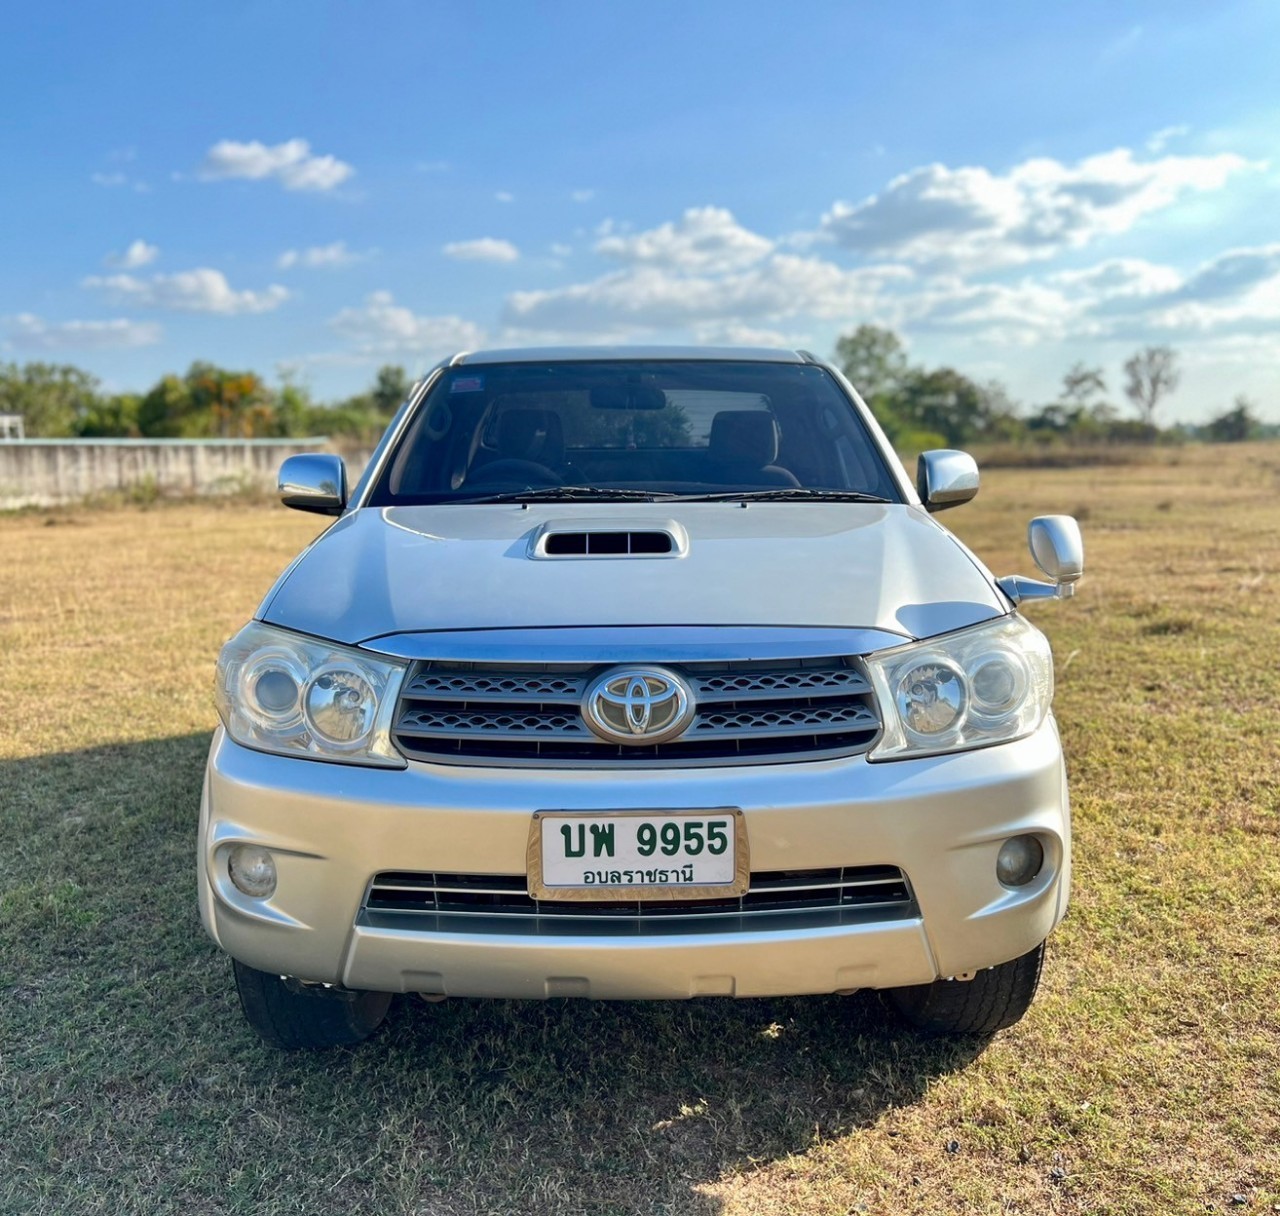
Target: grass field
x,y
1146,1078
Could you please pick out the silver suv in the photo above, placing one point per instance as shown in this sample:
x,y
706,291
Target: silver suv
x,y
635,674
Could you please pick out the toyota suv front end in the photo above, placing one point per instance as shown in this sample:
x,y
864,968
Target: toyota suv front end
x,y
636,674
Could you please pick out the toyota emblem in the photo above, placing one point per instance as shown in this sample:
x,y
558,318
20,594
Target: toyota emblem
x,y
638,705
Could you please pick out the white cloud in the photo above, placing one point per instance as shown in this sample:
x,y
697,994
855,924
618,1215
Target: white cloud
x,y
504,196
1161,139
1237,292
319,257
1007,314
582,196
1118,278
561,251
201,290
138,254
1235,287
703,239
656,298
116,180
1123,299
382,326
973,217
1238,272
730,333
29,332
485,249
290,163
1251,352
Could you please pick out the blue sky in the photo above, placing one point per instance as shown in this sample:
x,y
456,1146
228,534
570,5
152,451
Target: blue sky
x,y
319,188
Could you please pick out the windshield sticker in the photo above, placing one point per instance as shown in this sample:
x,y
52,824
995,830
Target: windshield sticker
x,y
467,384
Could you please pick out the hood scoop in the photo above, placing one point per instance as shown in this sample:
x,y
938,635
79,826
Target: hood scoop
x,y
608,538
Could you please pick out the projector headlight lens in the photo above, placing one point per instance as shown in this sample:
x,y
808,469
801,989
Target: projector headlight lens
x,y
978,686
931,697
281,692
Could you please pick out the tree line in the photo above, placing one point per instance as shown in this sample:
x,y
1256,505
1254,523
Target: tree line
x,y
921,408
58,401
918,407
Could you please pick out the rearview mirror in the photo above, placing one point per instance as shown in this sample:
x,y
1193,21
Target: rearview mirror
x,y
627,397
314,481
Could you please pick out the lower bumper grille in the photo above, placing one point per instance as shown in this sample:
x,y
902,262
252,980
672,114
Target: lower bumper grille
x,y
500,903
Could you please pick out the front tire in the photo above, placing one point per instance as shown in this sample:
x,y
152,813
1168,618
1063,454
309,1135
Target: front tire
x,y
293,1016
994,999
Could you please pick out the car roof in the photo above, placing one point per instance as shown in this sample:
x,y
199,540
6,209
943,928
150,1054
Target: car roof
x,y
579,354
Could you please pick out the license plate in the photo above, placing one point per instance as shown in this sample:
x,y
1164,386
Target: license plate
x,y
600,855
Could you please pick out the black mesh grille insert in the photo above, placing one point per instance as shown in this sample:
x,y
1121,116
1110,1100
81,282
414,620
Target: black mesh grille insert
x,y
530,714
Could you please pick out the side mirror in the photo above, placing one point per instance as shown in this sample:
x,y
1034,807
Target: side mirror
x,y
1058,549
945,478
314,481
1057,546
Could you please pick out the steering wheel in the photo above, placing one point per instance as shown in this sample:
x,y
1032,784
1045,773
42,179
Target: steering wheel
x,y
518,472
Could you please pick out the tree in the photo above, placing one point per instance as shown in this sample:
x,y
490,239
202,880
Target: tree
x,y
1235,425
50,397
237,405
942,402
293,409
1081,383
111,417
874,360
166,408
364,417
208,402
1151,374
999,413
390,389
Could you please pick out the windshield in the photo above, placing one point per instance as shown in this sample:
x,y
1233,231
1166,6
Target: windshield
x,y
633,429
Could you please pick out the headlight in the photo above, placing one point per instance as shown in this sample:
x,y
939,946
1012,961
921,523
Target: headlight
x,y
987,684
281,692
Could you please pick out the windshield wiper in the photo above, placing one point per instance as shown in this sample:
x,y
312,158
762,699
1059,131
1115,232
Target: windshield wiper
x,y
571,494
786,493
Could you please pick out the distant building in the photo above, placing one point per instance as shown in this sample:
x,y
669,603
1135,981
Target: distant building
x,y
11,427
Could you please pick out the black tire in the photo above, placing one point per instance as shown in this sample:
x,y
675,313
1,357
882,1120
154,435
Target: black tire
x,y
993,1000
293,1016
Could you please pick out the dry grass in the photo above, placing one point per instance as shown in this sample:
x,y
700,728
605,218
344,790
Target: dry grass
x,y
1146,1079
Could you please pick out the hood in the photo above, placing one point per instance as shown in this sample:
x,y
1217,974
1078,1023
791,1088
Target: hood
x,y
393,570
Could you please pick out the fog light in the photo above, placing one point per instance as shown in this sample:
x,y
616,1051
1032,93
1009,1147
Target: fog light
x,y
252,869
1019,861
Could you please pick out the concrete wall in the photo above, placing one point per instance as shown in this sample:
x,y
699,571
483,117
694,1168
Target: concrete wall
x,y
44,472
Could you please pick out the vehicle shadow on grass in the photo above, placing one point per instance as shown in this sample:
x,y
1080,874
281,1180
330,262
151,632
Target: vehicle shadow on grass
x,y
126,1024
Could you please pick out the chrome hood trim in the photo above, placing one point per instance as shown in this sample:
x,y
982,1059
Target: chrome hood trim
x,y
399,570
663,643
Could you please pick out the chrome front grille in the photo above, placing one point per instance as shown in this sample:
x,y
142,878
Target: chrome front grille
x,y
500,903
748,711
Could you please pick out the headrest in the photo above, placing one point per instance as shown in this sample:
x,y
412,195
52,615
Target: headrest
x,y
748,437
530,435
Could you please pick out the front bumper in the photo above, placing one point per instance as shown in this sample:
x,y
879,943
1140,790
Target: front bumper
x,y
332,827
